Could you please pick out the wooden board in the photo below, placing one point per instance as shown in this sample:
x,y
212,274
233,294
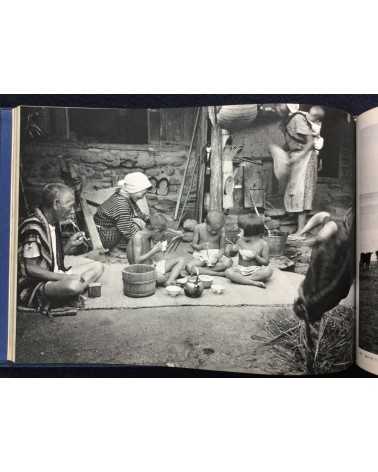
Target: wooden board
x,y
98,197
91,226
254,185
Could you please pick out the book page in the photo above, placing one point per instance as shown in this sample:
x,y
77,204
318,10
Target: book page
x,y
217,238
367,240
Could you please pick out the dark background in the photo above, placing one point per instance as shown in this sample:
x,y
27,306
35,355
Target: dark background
x,y
353,103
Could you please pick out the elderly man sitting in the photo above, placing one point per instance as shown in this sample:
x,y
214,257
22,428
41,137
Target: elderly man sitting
x,y
43,280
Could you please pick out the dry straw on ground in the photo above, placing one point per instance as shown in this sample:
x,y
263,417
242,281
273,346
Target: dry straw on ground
x,y
333,338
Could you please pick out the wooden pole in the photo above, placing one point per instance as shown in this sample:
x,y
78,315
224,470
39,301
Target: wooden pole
x,y
187,163
216,171
67,116
202,141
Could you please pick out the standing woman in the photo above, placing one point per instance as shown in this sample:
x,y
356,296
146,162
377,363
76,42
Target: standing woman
x,y
298,163
120,217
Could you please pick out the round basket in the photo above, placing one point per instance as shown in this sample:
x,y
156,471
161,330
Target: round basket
x,y
139,280
235,117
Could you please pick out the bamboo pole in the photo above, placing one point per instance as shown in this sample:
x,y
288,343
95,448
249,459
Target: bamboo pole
x,y
187,163
202,167
195,169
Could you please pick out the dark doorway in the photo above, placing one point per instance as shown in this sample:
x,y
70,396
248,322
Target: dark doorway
x,y
110,126
331,132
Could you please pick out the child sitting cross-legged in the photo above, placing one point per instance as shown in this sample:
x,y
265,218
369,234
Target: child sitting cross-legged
x,y
208,244
148,246
253,267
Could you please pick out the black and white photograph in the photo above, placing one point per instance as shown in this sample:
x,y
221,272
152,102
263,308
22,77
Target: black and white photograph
x,y
217,238
368,238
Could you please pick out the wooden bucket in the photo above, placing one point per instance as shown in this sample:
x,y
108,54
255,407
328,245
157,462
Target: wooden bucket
x,y
139,280
276,244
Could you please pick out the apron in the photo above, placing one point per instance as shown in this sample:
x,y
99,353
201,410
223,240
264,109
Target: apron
x,y
301,185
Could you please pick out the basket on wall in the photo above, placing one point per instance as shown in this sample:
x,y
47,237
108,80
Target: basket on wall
x,y
236,117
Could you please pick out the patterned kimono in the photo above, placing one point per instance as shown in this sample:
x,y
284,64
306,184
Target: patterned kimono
x,y
35,230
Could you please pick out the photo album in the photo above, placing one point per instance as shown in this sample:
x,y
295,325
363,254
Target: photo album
x,y
230,238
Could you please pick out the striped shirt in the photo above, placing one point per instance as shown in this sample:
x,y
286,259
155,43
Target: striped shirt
x,y
35,242
117,214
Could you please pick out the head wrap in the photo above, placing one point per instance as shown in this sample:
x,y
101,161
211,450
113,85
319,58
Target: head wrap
x,y
135,182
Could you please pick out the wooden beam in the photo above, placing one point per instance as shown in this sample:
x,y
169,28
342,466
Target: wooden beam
x,y
216,172
87,214
91,226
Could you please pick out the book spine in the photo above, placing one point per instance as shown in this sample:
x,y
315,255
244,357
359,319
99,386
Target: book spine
x,y
5,185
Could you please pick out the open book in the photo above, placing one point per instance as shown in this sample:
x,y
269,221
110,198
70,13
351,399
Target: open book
x,y
219,238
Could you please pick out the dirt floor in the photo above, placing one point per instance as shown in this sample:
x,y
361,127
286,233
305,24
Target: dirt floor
x,y
368,322
209,338
169,332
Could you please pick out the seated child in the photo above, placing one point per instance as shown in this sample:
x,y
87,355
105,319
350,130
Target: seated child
x,y
253,267
208,244
148,245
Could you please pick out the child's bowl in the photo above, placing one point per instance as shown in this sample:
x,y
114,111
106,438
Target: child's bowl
x,y
206,280
173,290
217,289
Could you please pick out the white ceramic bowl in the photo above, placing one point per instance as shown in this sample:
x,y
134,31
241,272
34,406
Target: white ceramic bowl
x,y
217,289
207,280
173,290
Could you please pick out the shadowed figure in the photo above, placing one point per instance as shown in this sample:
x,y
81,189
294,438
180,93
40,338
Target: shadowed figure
x,y
365,260
330,274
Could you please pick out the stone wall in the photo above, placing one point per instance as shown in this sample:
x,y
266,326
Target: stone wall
x,y
102,165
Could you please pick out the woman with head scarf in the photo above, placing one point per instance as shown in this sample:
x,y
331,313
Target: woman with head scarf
x,y
120,216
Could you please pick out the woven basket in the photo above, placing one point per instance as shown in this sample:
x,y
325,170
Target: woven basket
x,y
235,117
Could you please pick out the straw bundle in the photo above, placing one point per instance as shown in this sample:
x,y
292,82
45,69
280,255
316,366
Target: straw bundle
x,y
333,338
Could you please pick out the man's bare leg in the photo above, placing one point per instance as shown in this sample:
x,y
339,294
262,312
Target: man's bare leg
x,y
74,285
65,289
93,273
